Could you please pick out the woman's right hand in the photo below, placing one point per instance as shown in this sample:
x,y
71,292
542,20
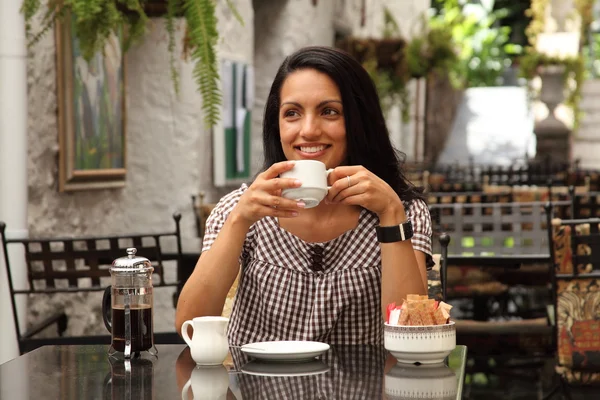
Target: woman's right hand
x,y
263,196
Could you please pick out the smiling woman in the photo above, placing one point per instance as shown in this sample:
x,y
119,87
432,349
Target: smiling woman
x,y
317,273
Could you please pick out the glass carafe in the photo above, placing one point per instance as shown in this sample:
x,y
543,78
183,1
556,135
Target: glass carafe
x,y
127,306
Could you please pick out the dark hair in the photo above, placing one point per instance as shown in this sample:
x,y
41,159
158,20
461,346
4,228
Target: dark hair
x,y
367,138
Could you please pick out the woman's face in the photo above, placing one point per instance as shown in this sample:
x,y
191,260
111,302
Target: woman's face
x,y
311,118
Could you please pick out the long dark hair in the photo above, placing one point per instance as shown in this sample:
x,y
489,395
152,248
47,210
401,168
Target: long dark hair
x,y
367,138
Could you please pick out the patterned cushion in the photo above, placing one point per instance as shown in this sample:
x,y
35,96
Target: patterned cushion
x,y
579,377
578,322
563,255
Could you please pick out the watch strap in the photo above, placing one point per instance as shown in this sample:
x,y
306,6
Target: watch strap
x,y
395,233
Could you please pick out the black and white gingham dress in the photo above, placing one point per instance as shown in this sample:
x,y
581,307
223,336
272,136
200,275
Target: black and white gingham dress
x,y
294,290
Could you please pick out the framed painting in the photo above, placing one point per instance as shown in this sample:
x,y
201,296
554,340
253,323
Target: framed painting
x,y
91,114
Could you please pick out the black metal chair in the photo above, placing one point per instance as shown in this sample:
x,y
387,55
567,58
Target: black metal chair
x,y
77,264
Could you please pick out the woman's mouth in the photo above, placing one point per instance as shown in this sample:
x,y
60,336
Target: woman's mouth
x,y
312,151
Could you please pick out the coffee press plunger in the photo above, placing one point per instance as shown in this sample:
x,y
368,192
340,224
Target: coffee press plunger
x,y
127,306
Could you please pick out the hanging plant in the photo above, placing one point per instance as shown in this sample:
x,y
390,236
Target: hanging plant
x,y
94,21
384,60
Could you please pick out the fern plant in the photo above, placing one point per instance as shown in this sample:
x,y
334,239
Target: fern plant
x,y
94,21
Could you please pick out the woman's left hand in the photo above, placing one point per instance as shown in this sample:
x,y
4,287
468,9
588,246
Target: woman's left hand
x,y
356,185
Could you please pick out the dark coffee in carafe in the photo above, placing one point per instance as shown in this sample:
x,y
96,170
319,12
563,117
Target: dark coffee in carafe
x,y
141,327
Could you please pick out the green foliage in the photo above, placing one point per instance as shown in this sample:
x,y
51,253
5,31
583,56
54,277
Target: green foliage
x,y
202,38
537,13
484,50
433,49
95,20
390,26
455,39
585,9
591,51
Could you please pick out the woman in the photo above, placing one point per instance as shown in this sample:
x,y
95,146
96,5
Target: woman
x,y
326,273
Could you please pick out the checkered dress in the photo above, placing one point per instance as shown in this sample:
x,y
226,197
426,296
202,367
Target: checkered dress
x,y
294,290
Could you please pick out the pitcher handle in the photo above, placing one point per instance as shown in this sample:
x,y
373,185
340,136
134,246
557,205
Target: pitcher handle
x,y
185,389
107,308
184,332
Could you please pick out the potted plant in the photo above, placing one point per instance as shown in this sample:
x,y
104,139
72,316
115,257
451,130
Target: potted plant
x,y
555,73
94,21
568,71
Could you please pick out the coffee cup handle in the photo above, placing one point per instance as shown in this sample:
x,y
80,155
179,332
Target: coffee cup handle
x,y
185,389
330,170
184,332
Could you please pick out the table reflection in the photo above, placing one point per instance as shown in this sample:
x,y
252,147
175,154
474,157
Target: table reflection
x,y
361,372
130,379
342,372
434,381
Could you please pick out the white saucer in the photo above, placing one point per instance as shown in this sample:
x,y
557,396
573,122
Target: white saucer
x,y
261,368
285,351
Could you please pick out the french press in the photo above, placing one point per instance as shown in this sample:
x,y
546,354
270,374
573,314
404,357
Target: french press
x,y
127,306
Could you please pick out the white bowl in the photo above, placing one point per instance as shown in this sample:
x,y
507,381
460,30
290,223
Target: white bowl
x,y
427,344
427,381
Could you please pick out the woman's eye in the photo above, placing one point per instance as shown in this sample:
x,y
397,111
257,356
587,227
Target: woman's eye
x,y
290,113
330,111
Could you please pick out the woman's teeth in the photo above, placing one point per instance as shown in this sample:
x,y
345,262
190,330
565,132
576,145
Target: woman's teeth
x,y
312,149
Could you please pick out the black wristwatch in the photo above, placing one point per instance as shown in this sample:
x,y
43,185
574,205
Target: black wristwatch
x,y
395,233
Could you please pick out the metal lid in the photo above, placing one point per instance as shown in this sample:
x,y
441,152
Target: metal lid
x,y
131,262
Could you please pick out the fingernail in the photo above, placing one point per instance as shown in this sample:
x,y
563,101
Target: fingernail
x,y
301,204
327,201
294,213
291,162
297,182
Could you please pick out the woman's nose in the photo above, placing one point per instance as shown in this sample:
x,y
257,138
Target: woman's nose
x,y
310,127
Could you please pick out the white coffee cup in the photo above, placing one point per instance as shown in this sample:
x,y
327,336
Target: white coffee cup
x,y
313,175
208,344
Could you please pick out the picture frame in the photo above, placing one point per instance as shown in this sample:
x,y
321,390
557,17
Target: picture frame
x,y
91,114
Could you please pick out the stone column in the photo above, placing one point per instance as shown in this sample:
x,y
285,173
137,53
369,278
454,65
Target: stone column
x,y
13,160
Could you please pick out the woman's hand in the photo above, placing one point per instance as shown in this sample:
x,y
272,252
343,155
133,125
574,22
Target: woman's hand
x,y
356,185
263,196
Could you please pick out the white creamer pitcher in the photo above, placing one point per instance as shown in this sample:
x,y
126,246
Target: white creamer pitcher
x,y
208,345
207,383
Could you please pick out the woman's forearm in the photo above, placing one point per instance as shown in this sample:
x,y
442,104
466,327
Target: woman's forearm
x,y
401,272
206,289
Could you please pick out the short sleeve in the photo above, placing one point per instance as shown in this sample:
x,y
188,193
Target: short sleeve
x,y
418,213
218,216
